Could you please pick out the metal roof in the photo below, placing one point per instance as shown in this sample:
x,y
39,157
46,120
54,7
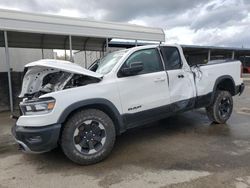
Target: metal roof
x,y
196,49
17,21
48,41
129,44
215,47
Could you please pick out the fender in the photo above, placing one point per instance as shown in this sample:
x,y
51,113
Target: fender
x,y
104,103
218,81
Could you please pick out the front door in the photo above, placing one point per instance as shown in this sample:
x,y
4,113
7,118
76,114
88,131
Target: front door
x,y
141,95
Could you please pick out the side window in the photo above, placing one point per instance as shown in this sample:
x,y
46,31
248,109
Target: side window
x,y
171,58
150,58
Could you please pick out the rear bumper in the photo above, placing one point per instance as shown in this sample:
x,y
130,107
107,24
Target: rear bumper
x,y
240,89
37,139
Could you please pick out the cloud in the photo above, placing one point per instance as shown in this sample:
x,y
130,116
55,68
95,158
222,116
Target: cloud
x,y
219,14
115,10
127,10
215,22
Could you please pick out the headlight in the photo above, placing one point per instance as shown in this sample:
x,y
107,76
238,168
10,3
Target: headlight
x,y
40,106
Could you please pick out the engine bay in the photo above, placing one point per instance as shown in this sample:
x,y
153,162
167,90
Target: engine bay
x,y
37,82
62,80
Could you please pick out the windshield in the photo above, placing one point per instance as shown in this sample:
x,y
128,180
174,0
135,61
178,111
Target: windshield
x,y
107,63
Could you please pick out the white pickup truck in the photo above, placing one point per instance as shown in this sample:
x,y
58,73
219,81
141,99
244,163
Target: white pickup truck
x,y
84,110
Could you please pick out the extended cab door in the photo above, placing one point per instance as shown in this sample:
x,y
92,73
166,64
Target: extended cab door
x,y
181,81
143,93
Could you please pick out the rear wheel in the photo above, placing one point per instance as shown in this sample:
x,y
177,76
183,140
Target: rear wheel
x,y
88,136
221,108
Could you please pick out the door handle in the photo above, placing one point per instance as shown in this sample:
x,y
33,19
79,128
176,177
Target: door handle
x,y
180,76
159,80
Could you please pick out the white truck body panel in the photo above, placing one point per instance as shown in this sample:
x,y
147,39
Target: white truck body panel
x,y
181,89
208,74
65,98
137,92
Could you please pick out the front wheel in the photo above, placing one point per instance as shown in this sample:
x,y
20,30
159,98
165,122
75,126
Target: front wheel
x,y
221,108
88,136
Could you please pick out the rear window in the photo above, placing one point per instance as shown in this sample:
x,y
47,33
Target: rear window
x,y
171,58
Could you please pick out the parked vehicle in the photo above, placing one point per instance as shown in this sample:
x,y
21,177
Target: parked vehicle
x,y
245,63
84,110
246,68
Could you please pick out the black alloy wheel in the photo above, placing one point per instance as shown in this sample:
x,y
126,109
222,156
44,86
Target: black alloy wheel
x,y
89,137
225,107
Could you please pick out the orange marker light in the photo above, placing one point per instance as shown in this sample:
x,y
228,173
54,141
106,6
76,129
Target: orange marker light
x,y
51,105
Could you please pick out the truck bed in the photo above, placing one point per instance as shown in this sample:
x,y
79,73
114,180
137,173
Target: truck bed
x,y
206,74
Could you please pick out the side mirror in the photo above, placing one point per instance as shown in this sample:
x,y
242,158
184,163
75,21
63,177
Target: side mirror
x,y
133,69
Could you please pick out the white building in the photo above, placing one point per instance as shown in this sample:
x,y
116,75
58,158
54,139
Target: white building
x,y
19,57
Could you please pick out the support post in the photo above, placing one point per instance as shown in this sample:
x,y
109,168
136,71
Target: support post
x,y
70,48
107,44
65,53
42,54
42,41
85,55
103,49
135,42
233,54
209,55
85,52
7,61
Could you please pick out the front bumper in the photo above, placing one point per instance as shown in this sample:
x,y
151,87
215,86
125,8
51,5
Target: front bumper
x,y
37,139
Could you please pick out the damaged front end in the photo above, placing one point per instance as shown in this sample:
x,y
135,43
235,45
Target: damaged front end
x,y
46,76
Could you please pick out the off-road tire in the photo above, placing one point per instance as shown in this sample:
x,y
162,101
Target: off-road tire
x,y
67,137
213,110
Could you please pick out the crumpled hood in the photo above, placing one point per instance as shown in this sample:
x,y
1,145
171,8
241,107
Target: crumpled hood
x,y
64,66
33,79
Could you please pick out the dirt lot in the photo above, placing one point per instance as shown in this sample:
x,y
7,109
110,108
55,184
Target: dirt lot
x,y
181,151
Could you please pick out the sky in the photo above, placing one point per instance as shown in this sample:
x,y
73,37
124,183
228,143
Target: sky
x,y
198,22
